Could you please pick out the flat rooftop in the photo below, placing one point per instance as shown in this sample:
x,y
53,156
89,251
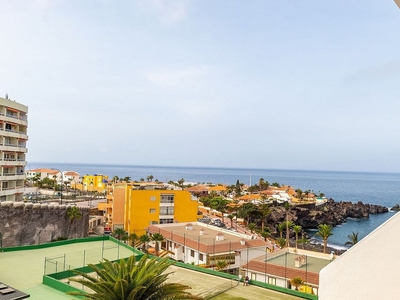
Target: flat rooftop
x,y
23,270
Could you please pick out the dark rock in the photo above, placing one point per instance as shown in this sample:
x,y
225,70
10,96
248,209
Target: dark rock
x,y
395,208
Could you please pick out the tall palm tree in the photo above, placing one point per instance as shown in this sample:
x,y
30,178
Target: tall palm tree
x,y
287,208
353,239
157,238
281,228
265,209
73,214
119,232
144,239
324,231
133,237
230,217
221,264
297,230
129,280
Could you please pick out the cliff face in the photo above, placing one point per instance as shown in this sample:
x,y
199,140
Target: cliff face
x,y
30,224
332,213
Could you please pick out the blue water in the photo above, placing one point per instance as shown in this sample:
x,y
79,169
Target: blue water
x,y
373,188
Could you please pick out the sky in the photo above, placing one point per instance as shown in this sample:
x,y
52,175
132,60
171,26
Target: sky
x,y
312,85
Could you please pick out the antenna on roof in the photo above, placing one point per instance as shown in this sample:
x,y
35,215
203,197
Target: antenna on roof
x,y
6,95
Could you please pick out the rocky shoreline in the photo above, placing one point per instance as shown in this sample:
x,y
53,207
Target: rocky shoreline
x,y
310,216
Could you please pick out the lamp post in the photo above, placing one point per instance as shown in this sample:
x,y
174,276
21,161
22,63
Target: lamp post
x,y
62,182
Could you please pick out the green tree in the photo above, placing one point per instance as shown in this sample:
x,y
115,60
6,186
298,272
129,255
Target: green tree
x,y
133,237
144,239
353,239
324,231
221,264
73,214
128,280
181,182
281,242
297,230
297,282
252,227
287,208
119,232
281,228
157,238
230,217
265,210
266,233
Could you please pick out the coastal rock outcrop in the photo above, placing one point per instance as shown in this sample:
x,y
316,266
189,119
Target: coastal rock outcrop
x,y
332,213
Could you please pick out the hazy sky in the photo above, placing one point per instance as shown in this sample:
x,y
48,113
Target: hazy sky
x,y
254,84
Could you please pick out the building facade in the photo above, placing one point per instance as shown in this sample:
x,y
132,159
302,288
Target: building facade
x,y
134,208
13,149
96,182
146,207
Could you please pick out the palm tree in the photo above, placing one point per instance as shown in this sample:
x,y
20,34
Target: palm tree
x,y
297,230
129,280
144,239
266,233
266,211
181,182
297,281
133,237
221,264
324,231
252,226
115,179
287,208
281,242
157,238
281,228
119,232
73,214
353,239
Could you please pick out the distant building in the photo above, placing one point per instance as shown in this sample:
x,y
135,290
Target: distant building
x,y
96,182
13,138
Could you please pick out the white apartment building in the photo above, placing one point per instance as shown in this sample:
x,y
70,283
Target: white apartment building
x,y
13,137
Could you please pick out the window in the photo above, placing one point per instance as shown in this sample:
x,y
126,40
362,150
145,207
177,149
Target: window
x,y
167,199
201,256
152,210
167,210
166,221
192,253
152,198
272,280
153,222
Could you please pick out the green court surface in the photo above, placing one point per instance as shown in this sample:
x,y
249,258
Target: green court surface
x,y
24,270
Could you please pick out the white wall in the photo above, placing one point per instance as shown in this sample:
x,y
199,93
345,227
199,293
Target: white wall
x,y
369,270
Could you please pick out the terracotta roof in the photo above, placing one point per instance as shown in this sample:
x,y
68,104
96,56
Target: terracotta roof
x,y
198,188
218,188
71,173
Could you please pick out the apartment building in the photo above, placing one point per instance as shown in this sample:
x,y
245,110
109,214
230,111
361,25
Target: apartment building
x,y
134,209
96,182
13,138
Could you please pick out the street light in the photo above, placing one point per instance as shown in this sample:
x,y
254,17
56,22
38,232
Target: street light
x,y
62,182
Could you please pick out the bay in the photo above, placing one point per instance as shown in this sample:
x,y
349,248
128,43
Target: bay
x,y
373,188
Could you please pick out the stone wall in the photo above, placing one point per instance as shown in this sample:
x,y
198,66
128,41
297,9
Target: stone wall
x,y
35,223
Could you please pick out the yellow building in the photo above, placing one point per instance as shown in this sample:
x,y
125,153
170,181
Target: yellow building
x,y
146,207
134,209
96,182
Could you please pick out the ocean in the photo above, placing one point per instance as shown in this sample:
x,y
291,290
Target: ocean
x,y
373,188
